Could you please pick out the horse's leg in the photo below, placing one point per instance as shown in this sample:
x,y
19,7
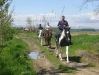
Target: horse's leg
x,y
60,53
45,41
56,50
67,59
41,41
50,42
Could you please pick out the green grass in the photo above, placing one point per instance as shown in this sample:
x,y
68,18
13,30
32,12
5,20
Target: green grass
x,y
92,64
66,69
51,57
80,42
85,42
14,59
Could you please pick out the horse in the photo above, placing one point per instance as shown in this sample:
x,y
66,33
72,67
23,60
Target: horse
x,y
48,36
40,36
64,40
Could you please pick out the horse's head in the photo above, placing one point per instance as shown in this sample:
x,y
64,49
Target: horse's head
x,y
67,34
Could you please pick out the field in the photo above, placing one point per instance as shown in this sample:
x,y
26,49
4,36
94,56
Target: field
x,y
83,55
84,49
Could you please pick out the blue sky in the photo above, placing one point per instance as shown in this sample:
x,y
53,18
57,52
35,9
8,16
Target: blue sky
x,y
36,8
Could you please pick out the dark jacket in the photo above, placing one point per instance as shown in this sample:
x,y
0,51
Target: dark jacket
x,y
40,27
62,24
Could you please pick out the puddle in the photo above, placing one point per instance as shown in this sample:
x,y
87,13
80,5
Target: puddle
x,y
34,55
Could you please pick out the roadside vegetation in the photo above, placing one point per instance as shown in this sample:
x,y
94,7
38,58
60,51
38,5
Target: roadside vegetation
x,y
85,42
14,59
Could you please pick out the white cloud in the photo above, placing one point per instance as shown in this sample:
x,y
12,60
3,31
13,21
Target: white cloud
x,y
83,20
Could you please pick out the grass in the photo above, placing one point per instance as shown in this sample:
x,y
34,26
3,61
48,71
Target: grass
x,y
50,56
80,42
92,64
66,69
14,59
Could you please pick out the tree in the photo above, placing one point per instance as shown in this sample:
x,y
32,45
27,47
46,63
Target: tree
x,y
44,20
96,9
5,21
29,23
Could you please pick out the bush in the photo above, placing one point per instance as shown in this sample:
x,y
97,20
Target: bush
x,y
92,64
14,59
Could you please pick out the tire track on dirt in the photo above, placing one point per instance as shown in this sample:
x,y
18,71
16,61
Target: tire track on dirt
x,y
44,67
41,65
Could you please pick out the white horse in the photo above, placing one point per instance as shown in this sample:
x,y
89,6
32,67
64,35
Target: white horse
x,y
64,40
40,36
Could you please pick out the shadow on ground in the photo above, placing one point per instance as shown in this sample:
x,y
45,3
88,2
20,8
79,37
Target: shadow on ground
x,y
74,59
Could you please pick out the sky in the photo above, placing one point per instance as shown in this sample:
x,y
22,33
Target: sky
x,y
52,10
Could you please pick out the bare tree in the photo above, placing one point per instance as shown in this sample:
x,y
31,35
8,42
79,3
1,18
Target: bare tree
x,y
44,20
29,23
96,7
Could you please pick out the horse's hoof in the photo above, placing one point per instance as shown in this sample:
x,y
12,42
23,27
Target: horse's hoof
x,y
61,59
49,46
67,61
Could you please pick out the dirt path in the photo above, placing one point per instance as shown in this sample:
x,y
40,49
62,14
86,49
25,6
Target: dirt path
x,y
41,65
44,67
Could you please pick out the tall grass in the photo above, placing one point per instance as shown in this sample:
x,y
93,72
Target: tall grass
x,y
14,59
84,42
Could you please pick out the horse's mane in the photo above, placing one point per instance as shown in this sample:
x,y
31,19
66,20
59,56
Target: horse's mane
x,y
49,33
62,38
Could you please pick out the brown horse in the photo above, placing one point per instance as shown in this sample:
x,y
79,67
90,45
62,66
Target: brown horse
x,y
48,36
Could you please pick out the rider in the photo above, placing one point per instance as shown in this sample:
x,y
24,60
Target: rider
x,y
40,27
61,24
47,27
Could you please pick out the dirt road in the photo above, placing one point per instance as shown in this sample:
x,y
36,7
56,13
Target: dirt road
x,y
42,64
44,67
